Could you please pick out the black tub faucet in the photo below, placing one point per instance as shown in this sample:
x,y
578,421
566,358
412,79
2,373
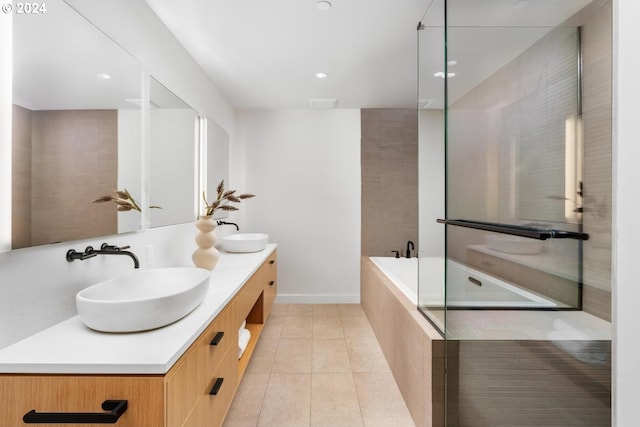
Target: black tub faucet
x,y
397,253
410,247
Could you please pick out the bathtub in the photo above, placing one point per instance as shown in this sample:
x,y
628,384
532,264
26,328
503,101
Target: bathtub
x,y
466,287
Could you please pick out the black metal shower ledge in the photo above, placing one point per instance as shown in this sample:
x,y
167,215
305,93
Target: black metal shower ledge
x,y
516,230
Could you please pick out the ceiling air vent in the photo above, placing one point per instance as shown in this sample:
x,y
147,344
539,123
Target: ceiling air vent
x,y
323,102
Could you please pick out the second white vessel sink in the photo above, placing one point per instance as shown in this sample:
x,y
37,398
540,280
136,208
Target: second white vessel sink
x,y
143,299
245,242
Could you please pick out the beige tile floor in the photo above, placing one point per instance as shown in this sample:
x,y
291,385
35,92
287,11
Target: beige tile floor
x,y
318,366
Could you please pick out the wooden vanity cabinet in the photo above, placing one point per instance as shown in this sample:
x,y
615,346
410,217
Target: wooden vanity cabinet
x,y
197,391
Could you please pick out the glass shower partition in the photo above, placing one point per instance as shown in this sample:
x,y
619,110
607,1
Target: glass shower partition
x,y
507,291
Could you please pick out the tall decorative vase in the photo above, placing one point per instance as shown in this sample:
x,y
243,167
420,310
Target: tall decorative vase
x,y
206,256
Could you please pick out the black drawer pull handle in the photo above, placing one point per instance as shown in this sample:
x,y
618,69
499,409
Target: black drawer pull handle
x,y
271,283
216,387
273,261
216,339
114,408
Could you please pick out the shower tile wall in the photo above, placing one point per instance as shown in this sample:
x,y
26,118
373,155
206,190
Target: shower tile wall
x,y
529,383
21,178
67,159
389,164
597,113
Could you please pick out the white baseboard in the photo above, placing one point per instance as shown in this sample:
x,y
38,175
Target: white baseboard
x,y
318,299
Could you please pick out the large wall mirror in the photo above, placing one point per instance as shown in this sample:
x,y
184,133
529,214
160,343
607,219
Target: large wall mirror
x,y
79,134
76,104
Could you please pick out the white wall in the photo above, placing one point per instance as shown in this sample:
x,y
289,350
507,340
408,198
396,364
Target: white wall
x,y
304,167
626,233
431,185
37,285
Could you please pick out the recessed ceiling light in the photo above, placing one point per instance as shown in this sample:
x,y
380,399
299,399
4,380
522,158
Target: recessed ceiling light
x,y
103,76
322,75
323,5
440,74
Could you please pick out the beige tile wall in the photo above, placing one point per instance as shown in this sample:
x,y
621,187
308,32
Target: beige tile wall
x,y
74,161
389,163
413,348
530,383
21,178
597,118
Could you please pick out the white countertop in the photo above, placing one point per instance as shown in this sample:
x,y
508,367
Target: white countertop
x,y
70,347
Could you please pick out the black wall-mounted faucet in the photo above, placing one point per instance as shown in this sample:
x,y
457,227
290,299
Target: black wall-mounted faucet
x,y
409,244
105,249
229,223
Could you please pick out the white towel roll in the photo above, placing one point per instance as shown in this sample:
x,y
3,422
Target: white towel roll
x,y
243,340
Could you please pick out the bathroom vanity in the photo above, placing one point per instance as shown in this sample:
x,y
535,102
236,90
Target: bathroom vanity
x,y
183,375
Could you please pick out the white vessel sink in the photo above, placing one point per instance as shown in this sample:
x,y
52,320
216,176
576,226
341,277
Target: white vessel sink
x,y
245,242
142,299
514,244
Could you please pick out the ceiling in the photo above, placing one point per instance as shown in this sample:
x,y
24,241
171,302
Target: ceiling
x,y
265,54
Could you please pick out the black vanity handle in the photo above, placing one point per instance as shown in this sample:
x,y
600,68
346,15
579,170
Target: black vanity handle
x,y
273,261
216,387
272,282
216,339
114,408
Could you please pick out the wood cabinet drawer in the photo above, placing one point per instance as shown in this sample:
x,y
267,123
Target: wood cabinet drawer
x,y
82,394
193,372
210,410
270,283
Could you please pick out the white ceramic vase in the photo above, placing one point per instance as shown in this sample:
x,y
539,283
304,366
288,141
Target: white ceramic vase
x,y
206,256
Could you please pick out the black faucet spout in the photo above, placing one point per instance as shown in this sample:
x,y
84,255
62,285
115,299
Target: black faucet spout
x,y
410,247
106,249
229,223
